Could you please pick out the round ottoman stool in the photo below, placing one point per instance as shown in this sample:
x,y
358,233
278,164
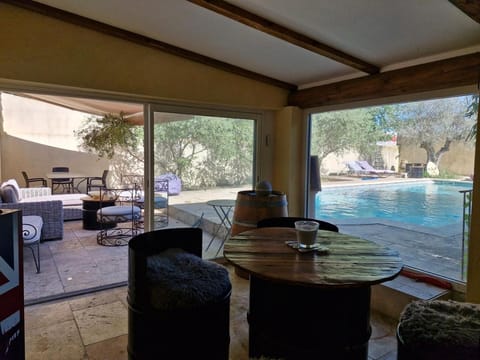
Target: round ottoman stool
x,y
439,330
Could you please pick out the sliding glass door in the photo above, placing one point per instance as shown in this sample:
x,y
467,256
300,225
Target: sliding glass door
x,y
192,150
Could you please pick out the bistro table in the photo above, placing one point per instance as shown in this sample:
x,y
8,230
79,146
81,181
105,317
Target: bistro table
x,y
310,305
222,207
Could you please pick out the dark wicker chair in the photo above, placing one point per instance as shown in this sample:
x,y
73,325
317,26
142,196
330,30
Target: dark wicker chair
x,y
290,222
29,181
97,182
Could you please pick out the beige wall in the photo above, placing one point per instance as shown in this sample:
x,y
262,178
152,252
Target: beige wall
x,y
459,160
37,159
36,48
38,136
288,160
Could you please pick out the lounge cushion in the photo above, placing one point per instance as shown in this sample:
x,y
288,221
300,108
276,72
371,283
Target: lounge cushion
x,y
9,195
14,184
174,183
118,213
31,228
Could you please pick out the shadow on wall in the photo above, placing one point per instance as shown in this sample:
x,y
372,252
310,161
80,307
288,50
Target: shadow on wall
x,y
37,159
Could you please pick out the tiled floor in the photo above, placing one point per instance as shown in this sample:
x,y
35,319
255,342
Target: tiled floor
x,y
95,326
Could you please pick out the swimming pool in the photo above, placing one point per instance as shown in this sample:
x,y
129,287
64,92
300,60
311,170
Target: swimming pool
x,y
429,203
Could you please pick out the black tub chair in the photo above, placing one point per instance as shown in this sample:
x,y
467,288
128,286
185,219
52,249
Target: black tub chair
x,y
174,311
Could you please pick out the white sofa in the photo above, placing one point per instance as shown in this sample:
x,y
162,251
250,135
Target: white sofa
x,y
53,209
71,203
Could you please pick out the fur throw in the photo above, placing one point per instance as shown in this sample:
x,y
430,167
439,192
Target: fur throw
x,y
440,323
181,280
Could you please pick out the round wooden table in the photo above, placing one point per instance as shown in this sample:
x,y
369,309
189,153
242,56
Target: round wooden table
x,y
310,305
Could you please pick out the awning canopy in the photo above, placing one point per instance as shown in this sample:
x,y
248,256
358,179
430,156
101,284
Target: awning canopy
x,y
133,111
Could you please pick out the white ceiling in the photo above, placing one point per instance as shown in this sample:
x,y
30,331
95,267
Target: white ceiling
x,y
386,33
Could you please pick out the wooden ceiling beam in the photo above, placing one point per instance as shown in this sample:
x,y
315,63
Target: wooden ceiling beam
x,y
259,23
144,40
469,7
439,75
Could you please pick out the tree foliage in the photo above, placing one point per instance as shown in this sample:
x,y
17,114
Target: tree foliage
x,y
108,135
202,151
336,132
432,125
206,151
472,112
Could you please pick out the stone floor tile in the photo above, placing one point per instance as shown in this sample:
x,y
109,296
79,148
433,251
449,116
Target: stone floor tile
x,y
110,349
60,341
91,300
44,315
102,322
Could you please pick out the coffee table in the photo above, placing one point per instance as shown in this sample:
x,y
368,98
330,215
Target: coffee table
x,y
90,206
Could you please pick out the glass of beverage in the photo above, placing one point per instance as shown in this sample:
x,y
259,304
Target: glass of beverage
x,y
306,233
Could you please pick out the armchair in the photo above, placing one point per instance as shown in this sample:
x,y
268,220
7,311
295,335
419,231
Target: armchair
x,y
97,182
118,223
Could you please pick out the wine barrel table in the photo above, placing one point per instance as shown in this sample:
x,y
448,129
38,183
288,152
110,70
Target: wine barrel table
x,y
307,305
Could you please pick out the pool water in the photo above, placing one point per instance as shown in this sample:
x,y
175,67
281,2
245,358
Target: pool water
x,y
432,203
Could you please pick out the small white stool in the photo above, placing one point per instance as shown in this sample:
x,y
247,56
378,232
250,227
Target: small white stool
x,y
32,233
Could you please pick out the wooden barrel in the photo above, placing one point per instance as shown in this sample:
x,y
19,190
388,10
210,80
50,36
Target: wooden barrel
x,y
251,207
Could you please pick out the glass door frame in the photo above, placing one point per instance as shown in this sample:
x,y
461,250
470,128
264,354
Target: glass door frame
x,y
149,111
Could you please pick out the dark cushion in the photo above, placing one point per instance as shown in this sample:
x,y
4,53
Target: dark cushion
x,y
181,280
9,194
438,322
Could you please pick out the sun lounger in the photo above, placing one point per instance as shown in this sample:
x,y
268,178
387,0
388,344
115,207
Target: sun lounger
x,y
363,164
355,169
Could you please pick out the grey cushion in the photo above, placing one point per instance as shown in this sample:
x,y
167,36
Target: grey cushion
x,y
119,213
9,195
181,280
32,228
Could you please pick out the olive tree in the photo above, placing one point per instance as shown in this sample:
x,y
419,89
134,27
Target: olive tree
x,y
432,125
336,132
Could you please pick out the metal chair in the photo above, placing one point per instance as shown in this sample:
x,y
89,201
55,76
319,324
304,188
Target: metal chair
x,y
65,183
119,223
290,222
97,182
29,181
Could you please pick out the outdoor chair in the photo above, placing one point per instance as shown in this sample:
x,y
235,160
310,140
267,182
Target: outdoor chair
x,y
97,182
355,169
65,183
369,168
120,222
290,222
29,181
